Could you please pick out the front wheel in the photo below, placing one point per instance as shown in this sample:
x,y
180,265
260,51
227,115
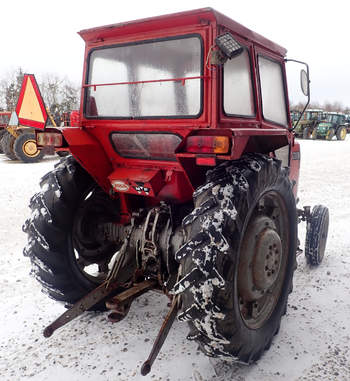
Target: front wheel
x,y
307,133
341,133
7,143
26,150
238,262
316,235
2,133
330,134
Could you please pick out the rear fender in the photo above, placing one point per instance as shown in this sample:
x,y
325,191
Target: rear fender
x,y
90,154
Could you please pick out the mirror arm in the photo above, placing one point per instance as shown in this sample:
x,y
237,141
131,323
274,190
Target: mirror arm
x,y
308,97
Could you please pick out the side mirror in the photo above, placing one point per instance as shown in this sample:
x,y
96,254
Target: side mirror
x,y
305,83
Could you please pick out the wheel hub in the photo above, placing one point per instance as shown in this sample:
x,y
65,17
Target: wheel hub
x,y
30,148
267,259
343,134
260,258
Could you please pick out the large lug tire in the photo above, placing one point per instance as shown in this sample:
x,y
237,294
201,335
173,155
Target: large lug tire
x,y
341,133
68,254
330,134
2,133
63,153
26,150
307,133
316,235
238,261
7,143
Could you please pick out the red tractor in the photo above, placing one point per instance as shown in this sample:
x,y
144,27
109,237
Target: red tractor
x,y
183,178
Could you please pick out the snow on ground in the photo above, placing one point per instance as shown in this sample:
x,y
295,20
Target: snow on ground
x,y
313,343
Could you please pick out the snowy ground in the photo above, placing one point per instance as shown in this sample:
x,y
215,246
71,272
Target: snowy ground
x,y
313,343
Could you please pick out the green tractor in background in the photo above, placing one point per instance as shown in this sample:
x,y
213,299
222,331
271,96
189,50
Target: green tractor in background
x,y
334,124
309,122
294,116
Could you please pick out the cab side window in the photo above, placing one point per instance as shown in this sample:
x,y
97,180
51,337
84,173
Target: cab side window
x,y
272,91
238,92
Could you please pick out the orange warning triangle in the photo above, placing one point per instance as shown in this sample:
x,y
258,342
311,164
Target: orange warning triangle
x,y
30,106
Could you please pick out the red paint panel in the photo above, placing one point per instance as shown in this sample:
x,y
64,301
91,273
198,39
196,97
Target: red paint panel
x,y
140,181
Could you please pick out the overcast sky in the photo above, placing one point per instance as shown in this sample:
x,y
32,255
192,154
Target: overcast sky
x,y
40,36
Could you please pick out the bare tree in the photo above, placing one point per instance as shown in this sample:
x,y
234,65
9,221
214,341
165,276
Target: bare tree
x,y
10,88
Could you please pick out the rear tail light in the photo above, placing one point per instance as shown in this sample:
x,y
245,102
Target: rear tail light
x,y
208,144
49,139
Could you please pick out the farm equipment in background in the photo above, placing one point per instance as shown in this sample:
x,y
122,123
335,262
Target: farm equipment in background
x,y
183,178
334,124
18,139
307,124
4,119
294,116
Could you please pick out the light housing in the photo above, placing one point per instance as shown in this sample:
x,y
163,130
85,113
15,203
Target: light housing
x,y
228,45
49,139
208,144
146,145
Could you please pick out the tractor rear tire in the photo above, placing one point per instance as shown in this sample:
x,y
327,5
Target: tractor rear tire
x,y
2,133
63,153
26,150
238,261
68,255
316,235
7,143
341,133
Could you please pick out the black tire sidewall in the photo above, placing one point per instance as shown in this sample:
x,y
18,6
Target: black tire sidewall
x,y
262,335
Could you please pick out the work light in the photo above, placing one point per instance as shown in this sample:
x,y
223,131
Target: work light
x,y
228,45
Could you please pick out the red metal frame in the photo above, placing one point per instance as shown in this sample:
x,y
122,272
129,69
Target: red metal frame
x,y
90,143
4,113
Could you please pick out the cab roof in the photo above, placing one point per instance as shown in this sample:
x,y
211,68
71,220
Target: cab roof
x,y
194,17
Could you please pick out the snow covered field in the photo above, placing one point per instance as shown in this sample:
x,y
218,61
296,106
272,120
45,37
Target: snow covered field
x,y
313,343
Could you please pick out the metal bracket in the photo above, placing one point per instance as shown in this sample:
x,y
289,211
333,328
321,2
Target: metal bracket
x,y
83,305
120,304
304,214
162,335
149,246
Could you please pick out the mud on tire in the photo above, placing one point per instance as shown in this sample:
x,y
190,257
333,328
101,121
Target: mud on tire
x,y
62,233
242,229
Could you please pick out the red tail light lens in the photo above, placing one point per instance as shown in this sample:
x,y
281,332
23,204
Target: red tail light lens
x,y
208,144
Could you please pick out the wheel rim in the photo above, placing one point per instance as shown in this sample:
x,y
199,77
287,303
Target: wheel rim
x,y
329,135
92,252
30,148
263,260
343,134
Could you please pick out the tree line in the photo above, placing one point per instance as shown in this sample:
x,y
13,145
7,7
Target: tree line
x,y
326,106
60,95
